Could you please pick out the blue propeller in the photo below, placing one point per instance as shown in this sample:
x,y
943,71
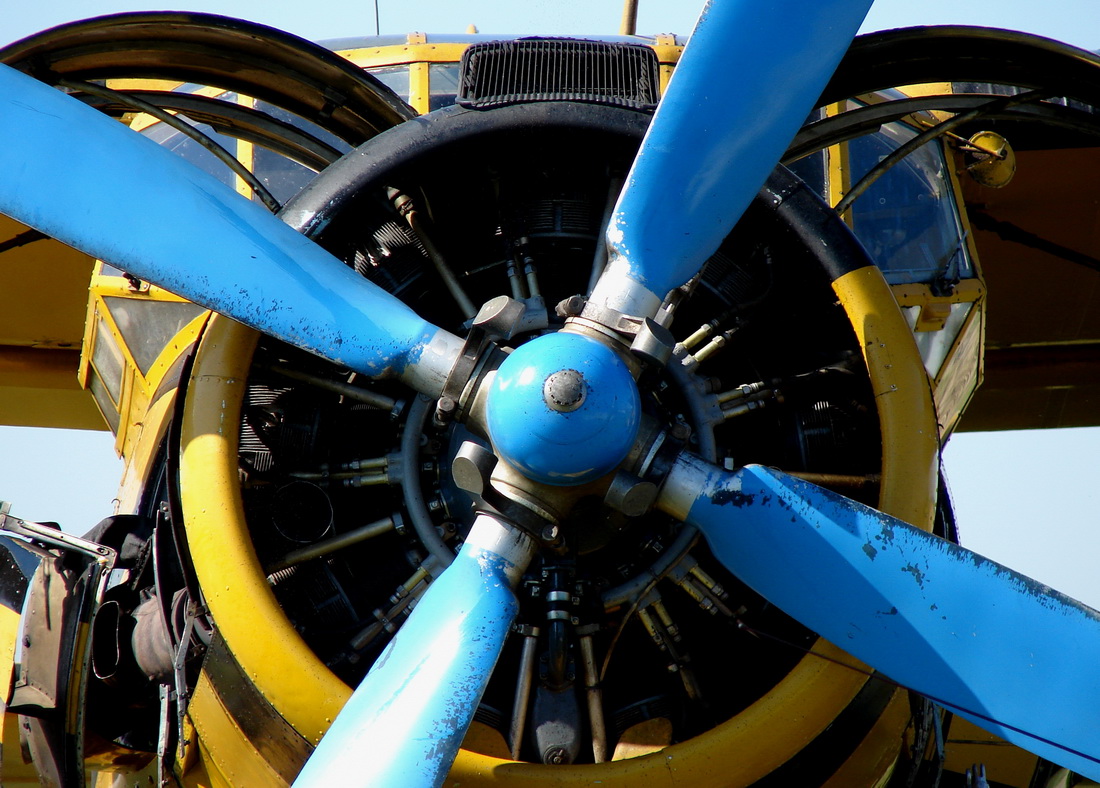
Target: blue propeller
x,y
1010,654
897,598
404,725
121,198
744,85
734,146
87,180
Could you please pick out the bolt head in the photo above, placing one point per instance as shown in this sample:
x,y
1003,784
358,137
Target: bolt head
x,y
564,390
568,307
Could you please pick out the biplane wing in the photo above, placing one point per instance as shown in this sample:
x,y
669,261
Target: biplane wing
x,y
43,306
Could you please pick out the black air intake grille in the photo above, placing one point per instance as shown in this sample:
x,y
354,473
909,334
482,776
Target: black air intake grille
x,y
537,69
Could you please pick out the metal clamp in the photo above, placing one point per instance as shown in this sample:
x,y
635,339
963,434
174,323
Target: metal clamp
x,y
54,537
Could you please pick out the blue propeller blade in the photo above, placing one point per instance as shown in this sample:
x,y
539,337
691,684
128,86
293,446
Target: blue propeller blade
x,y
746,82
1010,654
403,726
88,181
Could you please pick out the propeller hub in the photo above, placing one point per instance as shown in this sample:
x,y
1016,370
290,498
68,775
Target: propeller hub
x,y
564,391
563,409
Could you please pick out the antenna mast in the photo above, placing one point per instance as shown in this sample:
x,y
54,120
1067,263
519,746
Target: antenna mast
x,y
629,25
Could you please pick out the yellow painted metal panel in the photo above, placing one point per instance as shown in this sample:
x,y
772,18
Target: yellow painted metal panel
x,y
39,388
33,407
141,453
667,50
197,775
13,772
918,294
9,632
43,290
283,668
872,764
416,51
961,373
43,298
1005,764
910,462
735,753
419,89
230,759
40,368
668,55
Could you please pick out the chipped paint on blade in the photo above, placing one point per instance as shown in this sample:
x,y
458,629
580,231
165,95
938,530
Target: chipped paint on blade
x,y
403,726
1007,652
90,182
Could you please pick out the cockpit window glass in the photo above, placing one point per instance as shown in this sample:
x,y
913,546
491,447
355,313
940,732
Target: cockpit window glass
x,y
907,219
148,326
396,78
182,145
443,84
107,360
283,177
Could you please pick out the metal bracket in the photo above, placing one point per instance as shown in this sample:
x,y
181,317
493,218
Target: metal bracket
x,y
54,537
179,664
164,734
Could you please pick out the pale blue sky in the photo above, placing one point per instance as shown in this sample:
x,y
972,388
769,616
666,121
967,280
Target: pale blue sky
x,y
1073,21
1028,500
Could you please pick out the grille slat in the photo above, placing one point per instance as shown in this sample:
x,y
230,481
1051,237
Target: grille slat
x,y
495,73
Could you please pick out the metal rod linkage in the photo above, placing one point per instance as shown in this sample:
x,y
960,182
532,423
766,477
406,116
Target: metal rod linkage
x,y
666,635
700,586
402,602
844,480
594,694
405,206
702,332
745,390
365,480
54,537
599,256
339,542
515,279
372,466
357,393
715,344
532,278
524,682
